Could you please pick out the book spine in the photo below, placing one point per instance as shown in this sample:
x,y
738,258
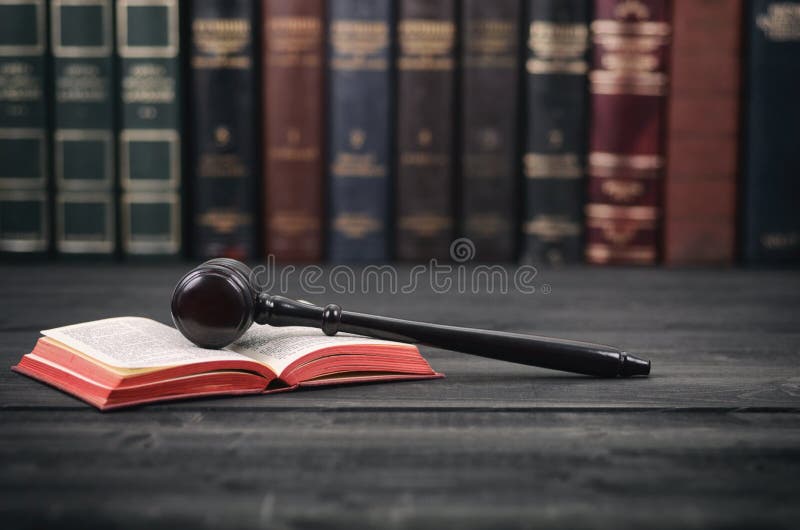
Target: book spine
x,y
771,228
83,144
223,106
293,55
702,133
426,33
148,44
554,162
628,86
360,129
489,86
24,211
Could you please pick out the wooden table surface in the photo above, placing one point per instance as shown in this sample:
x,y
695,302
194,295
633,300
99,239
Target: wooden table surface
x,y
711,439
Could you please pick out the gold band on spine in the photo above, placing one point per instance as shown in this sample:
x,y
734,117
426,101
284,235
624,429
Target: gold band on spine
x,y
616,27
599,253
605,211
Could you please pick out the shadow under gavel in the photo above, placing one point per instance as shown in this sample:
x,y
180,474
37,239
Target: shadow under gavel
x,y
216,302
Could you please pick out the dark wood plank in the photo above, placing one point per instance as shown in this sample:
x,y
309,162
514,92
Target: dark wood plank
x,y
710,440
718,339
454,469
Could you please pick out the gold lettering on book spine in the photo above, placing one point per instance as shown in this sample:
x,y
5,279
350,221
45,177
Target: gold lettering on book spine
x,y
598,253
148,83
426,44
361,165
557,48
609,165
490,43
359,45
486,225
552,227
636,213
290,148
19,82
223,221
780,240
292,223
425,224
357,225
293,41
781,22
546,166
82,82
221,165
622,190
631,53
222,43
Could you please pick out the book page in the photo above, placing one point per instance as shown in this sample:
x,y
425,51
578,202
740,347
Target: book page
x,y
278,347
135,342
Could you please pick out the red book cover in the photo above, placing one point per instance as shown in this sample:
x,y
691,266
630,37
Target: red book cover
x,y
702,132
628,87
293,56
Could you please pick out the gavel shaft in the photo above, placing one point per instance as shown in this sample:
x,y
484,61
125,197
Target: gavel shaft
x,y
557,354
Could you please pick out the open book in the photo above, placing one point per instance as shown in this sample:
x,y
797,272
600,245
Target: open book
x,y
126,361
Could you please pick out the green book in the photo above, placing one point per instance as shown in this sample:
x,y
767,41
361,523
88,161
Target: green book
x,y
149,138
24,215
83,138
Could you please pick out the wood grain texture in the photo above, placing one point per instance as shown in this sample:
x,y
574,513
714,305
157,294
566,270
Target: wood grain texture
x,y
710,440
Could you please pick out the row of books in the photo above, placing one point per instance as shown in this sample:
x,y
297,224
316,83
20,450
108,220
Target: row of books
x,y
611,131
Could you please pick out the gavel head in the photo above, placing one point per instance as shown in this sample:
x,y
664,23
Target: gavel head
x,y
213,304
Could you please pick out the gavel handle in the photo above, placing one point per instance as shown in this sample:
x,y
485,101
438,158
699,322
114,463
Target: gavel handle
x,y
557,354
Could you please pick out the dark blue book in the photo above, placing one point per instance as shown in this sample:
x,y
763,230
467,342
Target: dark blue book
x,y
223,117
360,95
557,41
488,126
24,213
772,129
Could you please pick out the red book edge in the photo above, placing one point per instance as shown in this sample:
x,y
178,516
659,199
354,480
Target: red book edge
x,y
107,390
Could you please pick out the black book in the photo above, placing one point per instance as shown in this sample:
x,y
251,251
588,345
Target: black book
x,y
488,124
223,119
772,128
557,40
426,58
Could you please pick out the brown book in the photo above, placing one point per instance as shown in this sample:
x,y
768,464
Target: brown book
x,y
628,87
293,128
703,132
126,361
425,109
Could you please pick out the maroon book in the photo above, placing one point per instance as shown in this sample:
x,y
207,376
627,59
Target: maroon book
x,y
702,132
628,87
293,159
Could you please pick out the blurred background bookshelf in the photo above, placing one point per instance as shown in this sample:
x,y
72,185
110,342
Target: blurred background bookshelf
x,y
636,132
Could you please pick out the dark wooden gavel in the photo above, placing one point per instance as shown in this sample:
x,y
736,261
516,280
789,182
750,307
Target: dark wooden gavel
x,y
216,302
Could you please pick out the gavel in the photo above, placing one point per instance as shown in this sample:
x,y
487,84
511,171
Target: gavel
x,y
216,302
